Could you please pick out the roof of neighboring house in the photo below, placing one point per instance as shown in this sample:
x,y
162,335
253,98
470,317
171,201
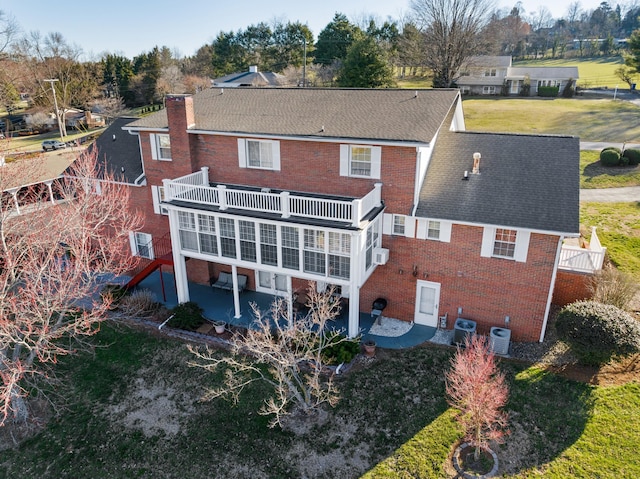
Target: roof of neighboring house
x,y
525,181
252,78
494,61
366,114
544,73
120,150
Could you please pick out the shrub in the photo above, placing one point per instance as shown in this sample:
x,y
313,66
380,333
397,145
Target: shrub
x,y
611,286
610,157
339,349
113,292
548,91
598,332
568,91
633,155
141,302
187,316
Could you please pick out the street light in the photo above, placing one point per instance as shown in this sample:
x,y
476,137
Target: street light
x,y
55,103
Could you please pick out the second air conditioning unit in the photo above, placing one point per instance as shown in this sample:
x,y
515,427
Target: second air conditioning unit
x,y
380,255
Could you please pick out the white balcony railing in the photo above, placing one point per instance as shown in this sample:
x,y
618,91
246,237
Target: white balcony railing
x,y
586,260
195,188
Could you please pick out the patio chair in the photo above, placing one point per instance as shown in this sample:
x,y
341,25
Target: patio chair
x,y
225,281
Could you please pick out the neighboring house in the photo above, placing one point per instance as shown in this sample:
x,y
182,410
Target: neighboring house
x,y
488,75
119,153
251,78
378,192
78,119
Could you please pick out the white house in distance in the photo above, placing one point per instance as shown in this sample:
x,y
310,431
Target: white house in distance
x,y
486,75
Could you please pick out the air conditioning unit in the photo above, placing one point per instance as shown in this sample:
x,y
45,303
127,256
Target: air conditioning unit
x,y
380,255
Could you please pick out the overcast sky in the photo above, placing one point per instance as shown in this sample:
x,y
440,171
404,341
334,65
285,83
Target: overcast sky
x,y
134,26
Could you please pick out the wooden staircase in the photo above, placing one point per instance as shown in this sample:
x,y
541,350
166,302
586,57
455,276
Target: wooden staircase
x,y
163,255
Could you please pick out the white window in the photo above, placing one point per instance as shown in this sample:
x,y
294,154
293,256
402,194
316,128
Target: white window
x,y
548,83
505,243
157,193
141,244
259,154
360,161
490,72
433,230
207,234
398,225
187,231
160,147
488,90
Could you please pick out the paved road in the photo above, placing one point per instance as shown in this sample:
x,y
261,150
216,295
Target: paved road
x,y
599,145
611,195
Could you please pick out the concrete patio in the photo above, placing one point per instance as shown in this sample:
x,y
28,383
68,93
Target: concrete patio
x,y
218,305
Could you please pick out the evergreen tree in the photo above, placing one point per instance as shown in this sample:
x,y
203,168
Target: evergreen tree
x,y
366,66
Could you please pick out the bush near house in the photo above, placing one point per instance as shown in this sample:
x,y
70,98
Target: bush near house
x,y
610,156
632,155
598,332
187,316
548,91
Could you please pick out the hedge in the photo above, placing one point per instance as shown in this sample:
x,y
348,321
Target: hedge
x,y
610,157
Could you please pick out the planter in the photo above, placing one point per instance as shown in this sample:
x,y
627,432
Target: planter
x,y
467,467
369,348
219,326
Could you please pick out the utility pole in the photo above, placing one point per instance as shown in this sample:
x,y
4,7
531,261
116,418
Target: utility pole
x,y
304,65
55,103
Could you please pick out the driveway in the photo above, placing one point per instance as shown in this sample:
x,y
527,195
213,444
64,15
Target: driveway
x,y
611,195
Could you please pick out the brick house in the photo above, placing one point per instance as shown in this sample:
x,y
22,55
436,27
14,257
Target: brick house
x,y
381,193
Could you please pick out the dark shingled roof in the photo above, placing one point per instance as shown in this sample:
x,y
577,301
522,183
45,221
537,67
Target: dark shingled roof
x,y
123,152
525,181
367,114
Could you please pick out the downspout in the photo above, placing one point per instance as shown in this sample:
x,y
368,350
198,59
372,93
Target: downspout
x,y
551,288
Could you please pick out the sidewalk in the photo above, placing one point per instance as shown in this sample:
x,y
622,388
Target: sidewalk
x,y
611,195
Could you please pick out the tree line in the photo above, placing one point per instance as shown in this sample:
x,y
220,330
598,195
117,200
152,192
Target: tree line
x,y
433,39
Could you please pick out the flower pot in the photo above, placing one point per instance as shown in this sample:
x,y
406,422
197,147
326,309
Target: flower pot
x,y
369,348
219,326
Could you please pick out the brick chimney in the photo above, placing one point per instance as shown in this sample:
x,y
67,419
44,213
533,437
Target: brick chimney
x,y
180,117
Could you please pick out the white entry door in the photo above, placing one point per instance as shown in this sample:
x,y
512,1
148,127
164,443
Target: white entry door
x,y
427,300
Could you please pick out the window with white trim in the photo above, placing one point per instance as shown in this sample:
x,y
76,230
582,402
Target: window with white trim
x,y
488,90
227,237
339,255
259,154
433,230
548,83
290,247
268,244
160,146
490,72
314,256
504,245
360,161
141,244
187,231
247,240
207,234
398,225
157,194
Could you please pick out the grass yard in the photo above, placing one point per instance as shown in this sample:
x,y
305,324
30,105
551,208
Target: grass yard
x,y
619,230
594,175
591,120
131,410
594,72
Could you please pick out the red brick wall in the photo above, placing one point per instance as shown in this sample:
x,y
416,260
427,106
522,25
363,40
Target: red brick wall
x,y
571,286
488,289
310,167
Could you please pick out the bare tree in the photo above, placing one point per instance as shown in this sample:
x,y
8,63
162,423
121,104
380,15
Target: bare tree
x,y
53,259
293,353
451,30
9,30
477,389
38,120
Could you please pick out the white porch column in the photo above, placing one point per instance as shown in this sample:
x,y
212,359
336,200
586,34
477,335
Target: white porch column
x,y
205,175
354,310
49,183
236,293
290,301
179,263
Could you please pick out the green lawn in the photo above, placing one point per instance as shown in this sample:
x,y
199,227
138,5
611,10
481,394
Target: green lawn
x,y
131,410
594,72
591,120
619,230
